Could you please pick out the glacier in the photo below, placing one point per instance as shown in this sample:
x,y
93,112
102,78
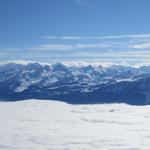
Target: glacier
x,y
54,125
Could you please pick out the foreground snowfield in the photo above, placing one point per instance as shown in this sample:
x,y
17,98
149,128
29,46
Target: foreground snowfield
x,y
52,125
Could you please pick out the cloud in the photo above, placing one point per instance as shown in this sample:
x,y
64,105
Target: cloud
x,y
3,53
10,49
65,37
53,47
129,56
124,48
80,46
49,37
68,47
97,37
143,45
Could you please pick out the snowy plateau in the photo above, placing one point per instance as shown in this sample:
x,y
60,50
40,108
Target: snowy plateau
x,y
53,125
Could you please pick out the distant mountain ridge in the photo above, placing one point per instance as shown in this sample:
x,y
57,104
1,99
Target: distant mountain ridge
x,y
75,84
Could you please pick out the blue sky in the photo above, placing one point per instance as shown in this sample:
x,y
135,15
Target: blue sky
x,y
103,30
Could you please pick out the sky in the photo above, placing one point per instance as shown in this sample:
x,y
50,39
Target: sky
x,y
90,30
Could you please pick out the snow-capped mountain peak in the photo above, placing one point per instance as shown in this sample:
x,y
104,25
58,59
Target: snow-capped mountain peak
x,y
75,83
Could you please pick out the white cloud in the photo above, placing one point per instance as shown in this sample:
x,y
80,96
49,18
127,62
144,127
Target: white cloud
x,y
92,46
72,38
22,62
126,36
68,47
49,37
53,47
8,51
142,45
98,37
3,53
65,37
13,49
113,50
114,56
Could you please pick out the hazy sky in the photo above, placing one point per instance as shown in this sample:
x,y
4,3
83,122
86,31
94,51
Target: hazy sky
x,y
104,30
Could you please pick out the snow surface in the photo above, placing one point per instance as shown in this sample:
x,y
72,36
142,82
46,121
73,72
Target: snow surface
x,y
53,125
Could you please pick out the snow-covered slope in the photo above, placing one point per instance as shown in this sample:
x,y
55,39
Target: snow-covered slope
x,y
53,125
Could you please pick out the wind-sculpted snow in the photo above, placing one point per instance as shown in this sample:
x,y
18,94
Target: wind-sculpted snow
x,y
77,84
53,125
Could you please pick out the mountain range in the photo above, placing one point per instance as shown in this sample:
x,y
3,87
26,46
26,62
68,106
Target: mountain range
x,y
75,84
